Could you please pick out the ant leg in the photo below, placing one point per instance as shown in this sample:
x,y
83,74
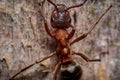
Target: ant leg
x,y
37,62
57,68
71,33
45,22
86,58
93,26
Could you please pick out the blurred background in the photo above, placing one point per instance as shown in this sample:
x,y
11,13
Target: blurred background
x,y
23,39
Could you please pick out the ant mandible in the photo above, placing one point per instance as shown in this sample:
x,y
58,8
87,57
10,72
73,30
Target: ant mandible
x,y
61,20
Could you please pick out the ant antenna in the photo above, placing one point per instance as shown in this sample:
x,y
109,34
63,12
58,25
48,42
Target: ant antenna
x,y
76,5
53,4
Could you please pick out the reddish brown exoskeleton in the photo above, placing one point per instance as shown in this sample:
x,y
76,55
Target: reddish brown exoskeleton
x,y
61,21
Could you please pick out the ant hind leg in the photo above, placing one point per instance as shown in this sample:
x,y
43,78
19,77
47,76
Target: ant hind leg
x,y
37,62
56,70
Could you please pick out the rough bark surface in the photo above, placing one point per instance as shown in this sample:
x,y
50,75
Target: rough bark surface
x,y
23,39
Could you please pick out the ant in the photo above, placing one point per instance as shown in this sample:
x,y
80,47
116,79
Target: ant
x,y
61,20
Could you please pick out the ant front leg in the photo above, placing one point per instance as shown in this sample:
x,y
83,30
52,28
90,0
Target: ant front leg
x,y
56,70
71,34
37,62
45,23
93,26
87,58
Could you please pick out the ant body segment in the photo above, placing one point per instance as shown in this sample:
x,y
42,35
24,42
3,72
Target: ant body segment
x,y
61,20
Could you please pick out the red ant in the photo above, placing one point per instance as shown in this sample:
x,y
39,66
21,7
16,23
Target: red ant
x,y
61,20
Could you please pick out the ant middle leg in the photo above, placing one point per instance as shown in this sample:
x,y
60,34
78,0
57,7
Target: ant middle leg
x,y
93,26
87,58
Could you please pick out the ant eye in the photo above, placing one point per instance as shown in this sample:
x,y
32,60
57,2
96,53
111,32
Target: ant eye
x,y
67,13
69,20
55,13
52,19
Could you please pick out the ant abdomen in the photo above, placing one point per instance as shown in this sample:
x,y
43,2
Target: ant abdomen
x,y
71,71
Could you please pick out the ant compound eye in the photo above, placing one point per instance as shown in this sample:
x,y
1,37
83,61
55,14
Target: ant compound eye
x,y
52,19
67,13
55,13
69,20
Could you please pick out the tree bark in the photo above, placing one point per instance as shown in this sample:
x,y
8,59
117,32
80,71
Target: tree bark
x,y
23,38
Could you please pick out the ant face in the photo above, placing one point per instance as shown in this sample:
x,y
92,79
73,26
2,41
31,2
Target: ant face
x,y
60,18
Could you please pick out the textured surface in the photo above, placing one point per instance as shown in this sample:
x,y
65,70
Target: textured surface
x,y
23,39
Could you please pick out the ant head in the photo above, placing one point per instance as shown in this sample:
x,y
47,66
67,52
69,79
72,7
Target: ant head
x,y
60,17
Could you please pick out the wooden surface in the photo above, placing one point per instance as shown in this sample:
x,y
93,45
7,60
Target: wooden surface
x,y
23,39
